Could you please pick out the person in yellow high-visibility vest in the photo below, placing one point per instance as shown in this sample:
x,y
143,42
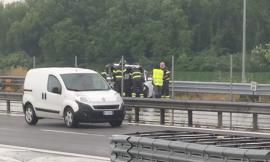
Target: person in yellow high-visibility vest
x,y
158,81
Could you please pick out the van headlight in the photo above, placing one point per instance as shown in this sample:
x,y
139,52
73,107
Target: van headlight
x,y
118,97
82,99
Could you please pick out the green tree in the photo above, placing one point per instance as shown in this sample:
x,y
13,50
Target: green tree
x,y
63,42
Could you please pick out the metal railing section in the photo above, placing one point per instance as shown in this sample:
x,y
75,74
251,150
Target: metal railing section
x,y
187,86
144,149
12,80
188,105
222,88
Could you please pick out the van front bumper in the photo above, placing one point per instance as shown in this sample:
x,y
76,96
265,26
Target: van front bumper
x,y
86,114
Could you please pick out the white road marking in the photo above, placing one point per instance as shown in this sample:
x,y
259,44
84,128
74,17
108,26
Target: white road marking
x,y
69,132
56,152
204,129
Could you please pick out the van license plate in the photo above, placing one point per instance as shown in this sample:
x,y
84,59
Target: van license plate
x,y
107,112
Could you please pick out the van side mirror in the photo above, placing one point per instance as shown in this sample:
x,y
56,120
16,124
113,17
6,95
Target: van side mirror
x,y
56,90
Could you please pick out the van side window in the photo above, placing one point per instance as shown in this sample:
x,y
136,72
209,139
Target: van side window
x,y
54,85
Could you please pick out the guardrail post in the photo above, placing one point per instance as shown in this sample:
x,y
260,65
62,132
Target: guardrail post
x,y
220,124
162,116
8,106
137,115
190,121
255,121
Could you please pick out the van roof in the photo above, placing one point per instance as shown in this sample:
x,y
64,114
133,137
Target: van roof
x,y
64,70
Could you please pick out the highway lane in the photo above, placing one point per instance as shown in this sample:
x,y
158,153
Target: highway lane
x,y
199,118
88,139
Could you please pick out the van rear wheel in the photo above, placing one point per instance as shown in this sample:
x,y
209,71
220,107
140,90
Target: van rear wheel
x,y
116,123
30,115
69,118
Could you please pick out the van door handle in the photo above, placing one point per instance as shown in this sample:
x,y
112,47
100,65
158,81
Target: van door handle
x,y
45,96
42,96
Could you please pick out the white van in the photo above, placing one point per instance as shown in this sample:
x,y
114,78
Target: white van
x,y
73,94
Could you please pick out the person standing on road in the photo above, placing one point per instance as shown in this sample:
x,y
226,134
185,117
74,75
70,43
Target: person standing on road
x,y
157,81
118,73
165,93
137,82
128,82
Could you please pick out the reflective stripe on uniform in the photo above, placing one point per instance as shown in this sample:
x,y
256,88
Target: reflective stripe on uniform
x,y
136,74
119,71
167,75
134,77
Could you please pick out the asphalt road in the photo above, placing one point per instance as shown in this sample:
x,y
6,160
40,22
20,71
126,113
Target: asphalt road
x,y
49,134
87,139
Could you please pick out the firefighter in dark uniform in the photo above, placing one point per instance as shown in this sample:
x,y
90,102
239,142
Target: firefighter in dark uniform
x,y
118,74
137,80
127,82
166,81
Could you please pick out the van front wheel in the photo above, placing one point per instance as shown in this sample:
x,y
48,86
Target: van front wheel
x,y
30,115
69,118
116,123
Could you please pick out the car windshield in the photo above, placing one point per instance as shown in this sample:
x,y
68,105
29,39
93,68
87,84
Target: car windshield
x,y
84,82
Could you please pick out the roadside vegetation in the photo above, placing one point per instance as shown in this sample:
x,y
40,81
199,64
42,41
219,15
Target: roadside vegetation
x,y
201,34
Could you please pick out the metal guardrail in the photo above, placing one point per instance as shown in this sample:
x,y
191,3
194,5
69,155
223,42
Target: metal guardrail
x,y
142,149
189,86
12,80
11,96
188,105
222,88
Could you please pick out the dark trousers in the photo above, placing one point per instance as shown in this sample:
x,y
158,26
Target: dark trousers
x,y
157,90
137,87
127,88
165,89
117,85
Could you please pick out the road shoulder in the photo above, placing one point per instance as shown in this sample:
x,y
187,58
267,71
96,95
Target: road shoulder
x,y
23,154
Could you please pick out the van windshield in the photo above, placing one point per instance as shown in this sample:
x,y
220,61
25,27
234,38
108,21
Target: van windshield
x,y
84,82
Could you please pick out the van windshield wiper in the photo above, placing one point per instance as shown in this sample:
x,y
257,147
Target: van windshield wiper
x,y
97,89
73,89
